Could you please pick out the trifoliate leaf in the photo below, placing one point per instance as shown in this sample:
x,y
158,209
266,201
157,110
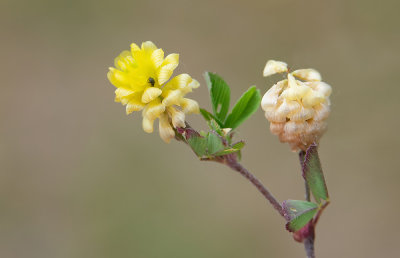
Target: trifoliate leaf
x,y
214,144
220,95
312,173
214,126
248,103
208,116
235,148
198,144
298,213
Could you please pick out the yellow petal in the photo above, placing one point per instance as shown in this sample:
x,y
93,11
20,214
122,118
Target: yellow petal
x,y
133,105
288,106
270,98
117,78
312,98
171,59
123,92
148,46
157,57
307,74
180,82
150,94
190,106
165,72
194,84
123,61
273,67
296,92
147,125
154,109
165,129
291,81
302,115
134,47
177,117
173,97
322,87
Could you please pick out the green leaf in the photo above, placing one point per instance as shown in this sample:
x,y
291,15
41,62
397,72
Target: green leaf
x,y
239,155
214,144
214,126
248,103
208,116
235,148
198,144
220,95
312,173
298,213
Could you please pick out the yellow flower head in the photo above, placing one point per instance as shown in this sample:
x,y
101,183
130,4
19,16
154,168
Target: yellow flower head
x,y
142,80
296,109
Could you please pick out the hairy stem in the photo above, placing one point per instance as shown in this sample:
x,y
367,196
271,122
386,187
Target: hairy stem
x,y
231,161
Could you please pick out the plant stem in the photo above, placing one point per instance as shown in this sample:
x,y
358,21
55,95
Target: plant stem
x,y
309,247
231,161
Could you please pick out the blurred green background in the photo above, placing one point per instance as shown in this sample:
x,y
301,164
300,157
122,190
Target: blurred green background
x,y
79,178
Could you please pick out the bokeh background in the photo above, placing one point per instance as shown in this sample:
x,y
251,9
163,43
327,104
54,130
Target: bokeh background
x,y
79,178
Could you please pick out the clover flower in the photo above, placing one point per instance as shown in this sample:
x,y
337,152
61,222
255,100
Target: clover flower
x,y
142,77
296,109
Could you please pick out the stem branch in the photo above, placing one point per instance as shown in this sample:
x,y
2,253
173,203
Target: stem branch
x,y
231,162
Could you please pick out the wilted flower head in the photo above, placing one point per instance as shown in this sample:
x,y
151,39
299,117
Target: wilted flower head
x,y
141,77
296,109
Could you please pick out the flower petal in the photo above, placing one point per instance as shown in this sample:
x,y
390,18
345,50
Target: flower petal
x,y
117,78
307,74
150,94
154,109
165,72
134,105
302,115
148,125
273,67
180,82
171,59
173,97
189,106
322,87
165,128
177,117
148,46
157,57
123,61
194,84
122,93
312,98
288,106
134,47
270,98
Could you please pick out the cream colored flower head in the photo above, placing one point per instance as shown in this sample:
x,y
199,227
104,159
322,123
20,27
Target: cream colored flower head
x,y
142,77
297,107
